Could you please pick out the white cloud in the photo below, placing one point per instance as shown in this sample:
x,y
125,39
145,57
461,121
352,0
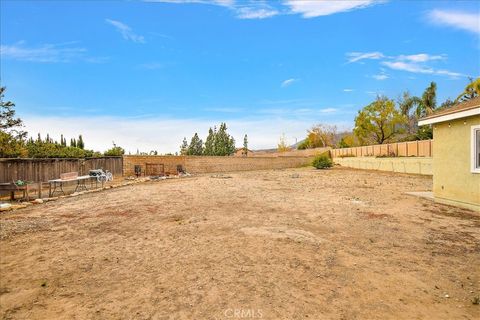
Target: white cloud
x,y
381,76
419,68
358,56
347,90
421,57
165,135
126,32
255,13
289,82
468,21
316,8
328,110
415,63
63,52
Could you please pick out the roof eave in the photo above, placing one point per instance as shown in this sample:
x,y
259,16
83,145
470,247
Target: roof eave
x,y
450,116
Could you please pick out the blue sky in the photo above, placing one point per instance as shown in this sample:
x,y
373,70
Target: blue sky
x,y
146,73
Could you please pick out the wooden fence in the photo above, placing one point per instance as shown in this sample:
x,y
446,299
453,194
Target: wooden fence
x,y
421,148
42,170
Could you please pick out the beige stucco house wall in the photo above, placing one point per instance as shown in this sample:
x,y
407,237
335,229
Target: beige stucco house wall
x,y
455,179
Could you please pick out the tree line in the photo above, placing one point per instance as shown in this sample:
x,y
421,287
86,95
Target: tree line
x,y
14,142
217,143
387,120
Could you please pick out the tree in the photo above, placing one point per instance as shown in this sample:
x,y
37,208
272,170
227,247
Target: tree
x,y
472,90
347,141
8,122
12,137
115,151
210,143
428,102
184,147
322,135
245,146
196,146
224,144
282,144
379,122
80,143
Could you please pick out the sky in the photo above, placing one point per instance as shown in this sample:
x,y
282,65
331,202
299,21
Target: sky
x,y
145,74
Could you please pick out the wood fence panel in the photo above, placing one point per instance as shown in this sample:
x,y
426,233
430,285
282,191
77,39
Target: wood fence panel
x,y
47,169
422,148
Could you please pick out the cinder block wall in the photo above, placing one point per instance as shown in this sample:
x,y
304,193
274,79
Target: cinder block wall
x,y
415,165
201,164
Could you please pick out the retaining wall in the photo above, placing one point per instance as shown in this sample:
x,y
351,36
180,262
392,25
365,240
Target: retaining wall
x,y
415,165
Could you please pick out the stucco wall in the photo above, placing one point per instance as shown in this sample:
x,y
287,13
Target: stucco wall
x,y
212,164
415,165
452,176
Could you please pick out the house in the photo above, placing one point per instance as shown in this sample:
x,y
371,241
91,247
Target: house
x,y
456,154
240,152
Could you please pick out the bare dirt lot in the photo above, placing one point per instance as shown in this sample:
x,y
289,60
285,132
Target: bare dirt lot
x,y
283,244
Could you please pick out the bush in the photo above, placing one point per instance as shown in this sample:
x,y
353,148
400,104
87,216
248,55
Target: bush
x,y
322,161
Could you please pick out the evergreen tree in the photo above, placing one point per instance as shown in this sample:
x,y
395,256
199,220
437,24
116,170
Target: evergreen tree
x,y
224,144
245,145
80,143
73,142
184,147
210,143
196,146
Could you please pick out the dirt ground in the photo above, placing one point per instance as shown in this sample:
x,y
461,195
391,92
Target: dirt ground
x,y
280,244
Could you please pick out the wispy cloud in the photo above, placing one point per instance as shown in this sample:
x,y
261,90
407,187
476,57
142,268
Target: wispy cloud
x,y
381,76
419,68
126,32
348,90
415,63
316,8
48,53
358,56
256,13
467,21
289,82
421,57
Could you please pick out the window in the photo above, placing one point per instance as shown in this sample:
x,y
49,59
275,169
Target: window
x,y
476,149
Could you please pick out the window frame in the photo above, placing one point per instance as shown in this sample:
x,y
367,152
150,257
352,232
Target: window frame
x,y
473,148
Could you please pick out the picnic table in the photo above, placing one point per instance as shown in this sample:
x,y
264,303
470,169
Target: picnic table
x,y
69,177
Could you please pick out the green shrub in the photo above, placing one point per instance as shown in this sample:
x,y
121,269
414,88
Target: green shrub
x,y
322,161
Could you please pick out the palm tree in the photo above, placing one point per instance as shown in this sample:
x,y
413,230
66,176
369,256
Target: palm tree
x,y
428,102
472,90
423,106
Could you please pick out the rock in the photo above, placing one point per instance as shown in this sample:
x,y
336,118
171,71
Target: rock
x,y
447,296
37,201
25,203
5,207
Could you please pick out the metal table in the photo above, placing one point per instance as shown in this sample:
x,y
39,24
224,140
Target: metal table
x,y
58,184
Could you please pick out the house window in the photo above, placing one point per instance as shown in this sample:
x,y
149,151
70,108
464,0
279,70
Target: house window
x,y
476,149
